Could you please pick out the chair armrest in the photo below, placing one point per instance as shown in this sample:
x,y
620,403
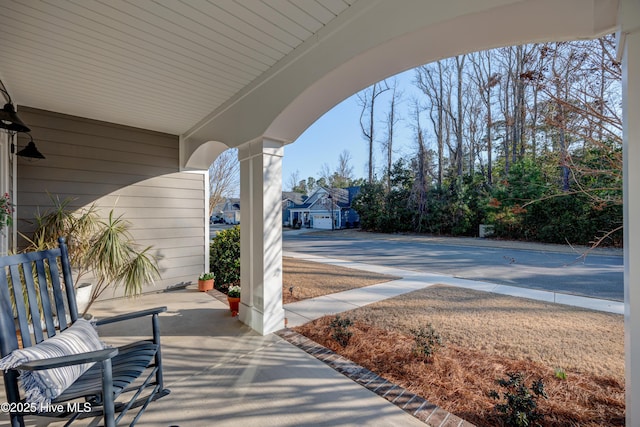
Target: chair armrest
x,y
74,359
132,315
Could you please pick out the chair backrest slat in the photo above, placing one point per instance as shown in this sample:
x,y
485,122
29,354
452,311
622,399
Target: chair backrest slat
x,y
18,300
58,296
9,339
34,312
45,299
68,281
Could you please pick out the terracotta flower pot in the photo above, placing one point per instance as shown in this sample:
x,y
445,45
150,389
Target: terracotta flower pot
x,y
205,285
234,305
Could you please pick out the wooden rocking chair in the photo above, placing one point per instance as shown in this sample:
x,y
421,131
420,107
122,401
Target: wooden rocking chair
x,y
59,347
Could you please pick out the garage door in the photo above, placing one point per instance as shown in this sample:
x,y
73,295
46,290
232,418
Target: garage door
x,y
322,222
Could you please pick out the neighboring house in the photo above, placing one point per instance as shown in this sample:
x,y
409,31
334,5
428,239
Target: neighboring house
x,y
217,211
231,211
289,200
325,209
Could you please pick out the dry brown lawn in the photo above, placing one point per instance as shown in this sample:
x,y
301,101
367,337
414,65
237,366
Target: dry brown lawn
x,y
305,279
485,336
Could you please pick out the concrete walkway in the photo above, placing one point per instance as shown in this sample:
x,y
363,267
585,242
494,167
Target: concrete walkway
x,y
301,312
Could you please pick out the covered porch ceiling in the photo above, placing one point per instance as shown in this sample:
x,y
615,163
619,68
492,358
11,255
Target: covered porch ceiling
x,y
231,71
161,65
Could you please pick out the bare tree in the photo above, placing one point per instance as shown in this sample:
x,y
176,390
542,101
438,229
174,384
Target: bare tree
x,y
565,61
325,172
447,109
521,70
294,180
485,79
420,186
583,95
506,83
430,80
224,178
519,105
367,100
534,75
458,119
343,176
391,122
473,126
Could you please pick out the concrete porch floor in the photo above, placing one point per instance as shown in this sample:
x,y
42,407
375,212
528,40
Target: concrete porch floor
x,y
221,373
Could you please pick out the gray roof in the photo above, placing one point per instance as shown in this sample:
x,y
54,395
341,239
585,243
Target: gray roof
x,y
340,196
294,196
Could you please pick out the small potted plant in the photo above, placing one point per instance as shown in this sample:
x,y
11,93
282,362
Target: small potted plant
x,y
205,282
233,296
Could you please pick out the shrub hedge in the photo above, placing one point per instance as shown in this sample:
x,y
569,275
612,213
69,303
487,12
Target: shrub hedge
x,y
224,259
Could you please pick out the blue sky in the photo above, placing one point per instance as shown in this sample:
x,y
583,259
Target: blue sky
x,y
338,130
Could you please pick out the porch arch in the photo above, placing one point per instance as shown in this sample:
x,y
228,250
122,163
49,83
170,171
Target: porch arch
x,y
200,156
276,110
374,40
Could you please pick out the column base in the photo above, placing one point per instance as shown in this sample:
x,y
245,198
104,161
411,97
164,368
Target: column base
x,y
262,323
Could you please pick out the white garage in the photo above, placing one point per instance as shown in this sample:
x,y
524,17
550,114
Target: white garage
x,y
322,222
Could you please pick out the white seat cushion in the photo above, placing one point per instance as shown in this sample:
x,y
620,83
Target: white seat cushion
x,y
42,386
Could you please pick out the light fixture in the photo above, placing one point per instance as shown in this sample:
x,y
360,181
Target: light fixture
x,y
8,117
30,151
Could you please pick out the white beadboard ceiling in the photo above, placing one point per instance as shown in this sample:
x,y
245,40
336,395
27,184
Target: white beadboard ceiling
x,y
162,65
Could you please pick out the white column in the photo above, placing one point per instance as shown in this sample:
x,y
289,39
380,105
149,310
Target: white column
x,y
630,18
5,187
207,229
261,235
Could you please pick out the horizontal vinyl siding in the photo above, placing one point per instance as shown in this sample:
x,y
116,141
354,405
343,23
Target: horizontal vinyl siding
x,y
132,171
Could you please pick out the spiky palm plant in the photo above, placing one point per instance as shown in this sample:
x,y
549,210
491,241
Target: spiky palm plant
x,y
115,261
103,248
77,227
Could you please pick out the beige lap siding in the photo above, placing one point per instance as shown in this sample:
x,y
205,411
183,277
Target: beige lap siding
x,y
132,170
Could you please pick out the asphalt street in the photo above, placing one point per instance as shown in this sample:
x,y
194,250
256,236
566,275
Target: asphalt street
x,y
546,267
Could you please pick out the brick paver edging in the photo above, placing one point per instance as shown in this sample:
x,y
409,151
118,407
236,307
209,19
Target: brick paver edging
x,y
413,404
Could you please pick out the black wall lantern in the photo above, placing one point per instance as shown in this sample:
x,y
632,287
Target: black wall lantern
x,y
30,151
8,117
10,121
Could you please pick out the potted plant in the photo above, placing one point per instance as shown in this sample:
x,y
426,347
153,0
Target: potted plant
x,y
233,296
205,282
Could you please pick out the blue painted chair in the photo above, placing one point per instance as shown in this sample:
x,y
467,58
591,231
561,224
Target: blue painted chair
x,y
119,380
